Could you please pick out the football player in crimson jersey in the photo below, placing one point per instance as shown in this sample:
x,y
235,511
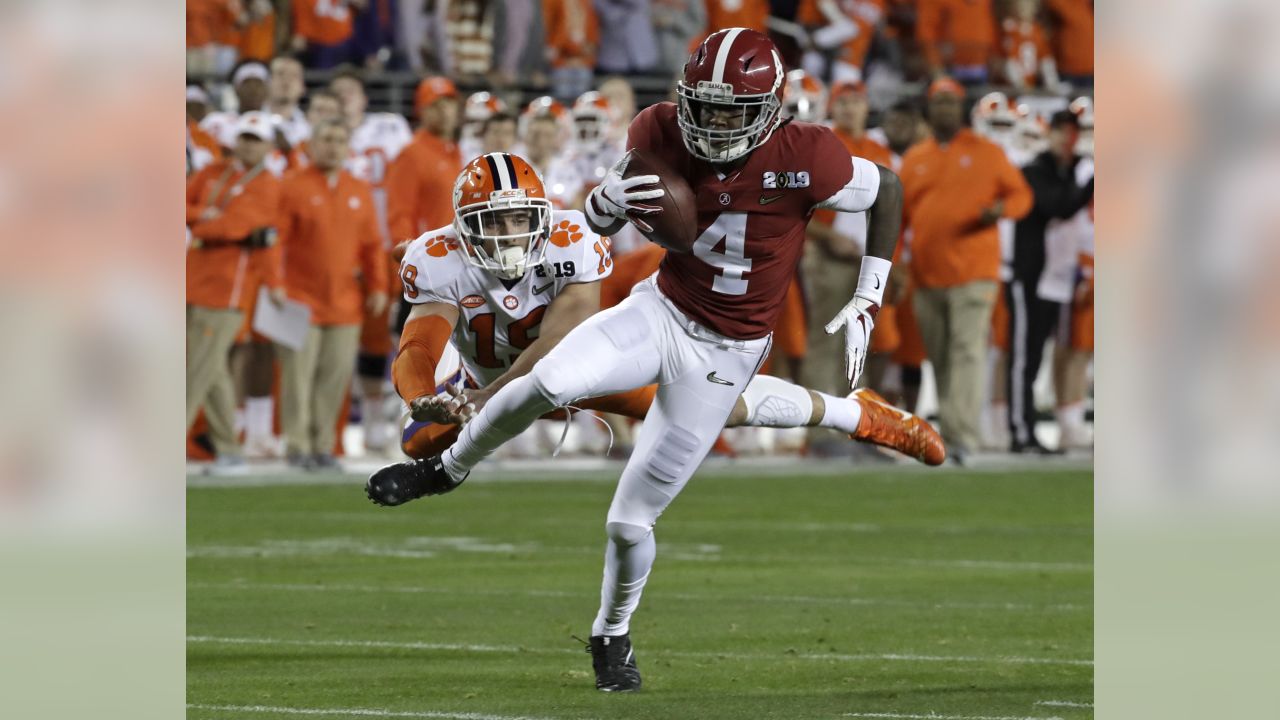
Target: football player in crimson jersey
x,y
701,327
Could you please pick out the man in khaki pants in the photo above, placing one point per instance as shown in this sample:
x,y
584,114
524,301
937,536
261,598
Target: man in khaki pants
x,y
231,208
332,251
956,185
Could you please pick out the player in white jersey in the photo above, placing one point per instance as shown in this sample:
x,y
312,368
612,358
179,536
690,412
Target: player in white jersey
x,y
543,137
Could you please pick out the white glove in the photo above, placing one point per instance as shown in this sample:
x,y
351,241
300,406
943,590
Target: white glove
x,y
616,196
857,318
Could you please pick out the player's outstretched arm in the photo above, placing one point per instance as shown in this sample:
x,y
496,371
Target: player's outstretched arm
x,y
422,344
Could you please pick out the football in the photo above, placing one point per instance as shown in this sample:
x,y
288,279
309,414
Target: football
x,y
676,227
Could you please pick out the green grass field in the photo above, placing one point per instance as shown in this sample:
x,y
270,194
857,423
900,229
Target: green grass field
x,y
883,594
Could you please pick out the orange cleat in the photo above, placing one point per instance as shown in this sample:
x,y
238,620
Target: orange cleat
x,y
885,425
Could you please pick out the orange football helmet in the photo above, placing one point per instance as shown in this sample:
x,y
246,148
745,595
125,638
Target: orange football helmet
x,y
479,107
501,214
593,116
545,106
994,116
804,97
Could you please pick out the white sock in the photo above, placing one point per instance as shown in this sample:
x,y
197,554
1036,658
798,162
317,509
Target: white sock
x,y
626,569
506,415
774,402
257,417
841,414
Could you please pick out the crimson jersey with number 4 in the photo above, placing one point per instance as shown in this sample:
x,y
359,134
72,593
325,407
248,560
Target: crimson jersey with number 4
x,y
751,222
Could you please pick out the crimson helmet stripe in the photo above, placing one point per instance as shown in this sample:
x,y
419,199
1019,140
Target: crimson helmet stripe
x,y
722,55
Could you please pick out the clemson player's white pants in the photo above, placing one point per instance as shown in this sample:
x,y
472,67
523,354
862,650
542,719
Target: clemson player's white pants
x,y
641,341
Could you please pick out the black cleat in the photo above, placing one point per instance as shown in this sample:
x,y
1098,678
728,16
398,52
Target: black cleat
x,y
398,484
615,663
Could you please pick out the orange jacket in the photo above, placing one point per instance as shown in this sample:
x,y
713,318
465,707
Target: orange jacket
x,y
212,21
866,14
753,14
1073,42
945,190
258,38
325,22
420,186
225,275
565,42
328,232
967,28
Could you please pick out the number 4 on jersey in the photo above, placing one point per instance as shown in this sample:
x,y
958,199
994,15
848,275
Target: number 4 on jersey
x,y
729,228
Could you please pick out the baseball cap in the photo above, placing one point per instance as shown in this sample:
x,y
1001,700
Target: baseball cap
x,y
843,87
432,89
249,71
196,94
944,85
257,124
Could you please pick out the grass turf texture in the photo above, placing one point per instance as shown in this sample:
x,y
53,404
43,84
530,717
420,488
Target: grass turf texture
x,y
896,594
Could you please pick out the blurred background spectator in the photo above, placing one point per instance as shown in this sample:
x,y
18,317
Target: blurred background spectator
x,y
560,80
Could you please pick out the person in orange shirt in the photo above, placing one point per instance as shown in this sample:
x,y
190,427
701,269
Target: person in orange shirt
x,y
328,233
323,31
956,186
751,14
1073,40
573,37
258,35
849,24
957,37
232,207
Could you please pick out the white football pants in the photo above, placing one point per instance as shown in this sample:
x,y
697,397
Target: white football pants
x,y
643,340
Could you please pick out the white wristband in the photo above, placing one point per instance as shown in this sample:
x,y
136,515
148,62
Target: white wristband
x,y
872,278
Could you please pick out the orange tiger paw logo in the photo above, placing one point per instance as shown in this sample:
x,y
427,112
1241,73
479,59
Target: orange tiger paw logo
x,y
565,234
440,245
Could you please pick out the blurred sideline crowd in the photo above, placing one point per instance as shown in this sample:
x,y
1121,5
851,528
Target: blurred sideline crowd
x,y
299,187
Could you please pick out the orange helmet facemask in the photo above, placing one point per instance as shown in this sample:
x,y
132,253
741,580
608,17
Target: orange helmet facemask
x,y
489,198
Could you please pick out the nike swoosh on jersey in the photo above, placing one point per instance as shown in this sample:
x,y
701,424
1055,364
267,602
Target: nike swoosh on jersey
x,y
712,377
766,199
540,290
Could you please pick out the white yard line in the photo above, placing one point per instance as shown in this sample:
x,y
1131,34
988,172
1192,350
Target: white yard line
x,y
359,712
393,645
1063,703
935,716
698,597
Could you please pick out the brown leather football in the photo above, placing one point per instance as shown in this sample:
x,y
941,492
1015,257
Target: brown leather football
x,y
676,227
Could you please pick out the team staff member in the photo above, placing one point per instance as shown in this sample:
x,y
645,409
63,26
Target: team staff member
x,y
328,233
420,181
956,186
1043,274
231,207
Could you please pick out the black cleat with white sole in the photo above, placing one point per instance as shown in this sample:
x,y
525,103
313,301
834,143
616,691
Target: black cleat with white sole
x,y
399,483
615,663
